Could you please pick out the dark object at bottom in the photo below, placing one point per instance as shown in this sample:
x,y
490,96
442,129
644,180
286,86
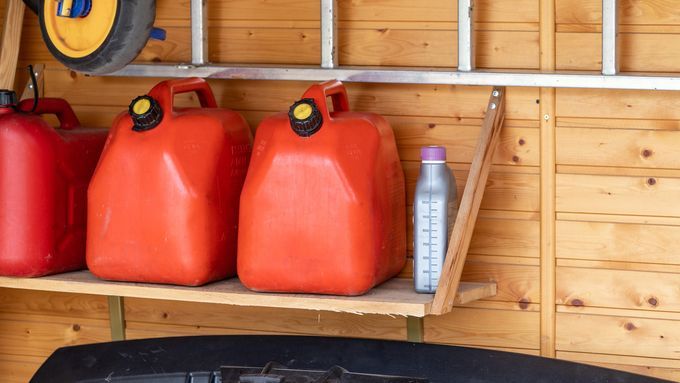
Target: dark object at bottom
x,y
198,360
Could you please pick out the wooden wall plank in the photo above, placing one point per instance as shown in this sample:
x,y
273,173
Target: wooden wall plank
x,y
641,52
504,191
435,11
40,335
264,320
18,369
602,103
654,338
620,242
49,303
496,236
618,147
490,328
618,289
659,368
517,146
506,237
618,195
660,12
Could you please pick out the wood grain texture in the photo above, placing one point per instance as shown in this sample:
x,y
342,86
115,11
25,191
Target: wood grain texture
x,y
40,335
506,237
504,190
618,195
660,368
641,52
618,289
547,118
618,147
269,320
626,237
489,328
470,202
654,338
621,242
18,368
10,41
53,303
395,297
619,104
659,12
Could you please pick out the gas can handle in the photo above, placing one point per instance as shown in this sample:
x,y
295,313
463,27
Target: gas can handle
x,y
57,106
187,85
333,89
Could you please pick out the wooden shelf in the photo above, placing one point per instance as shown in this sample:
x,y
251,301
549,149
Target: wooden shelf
x,y
395,297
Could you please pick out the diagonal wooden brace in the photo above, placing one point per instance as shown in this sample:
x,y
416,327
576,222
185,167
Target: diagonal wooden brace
x,y
469,204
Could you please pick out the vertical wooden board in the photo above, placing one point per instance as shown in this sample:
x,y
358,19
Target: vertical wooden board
x,y
489,328
603,103
618,195
640,52
655,338
618,147
50,303
657,12
621,242
18,369
40,335
516,283
618,289
264,319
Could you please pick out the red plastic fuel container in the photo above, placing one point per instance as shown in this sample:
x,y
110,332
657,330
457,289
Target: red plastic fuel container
x,y
323,205
44,173
163,202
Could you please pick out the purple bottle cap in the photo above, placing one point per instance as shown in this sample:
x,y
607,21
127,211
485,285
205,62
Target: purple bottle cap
x,y
433,153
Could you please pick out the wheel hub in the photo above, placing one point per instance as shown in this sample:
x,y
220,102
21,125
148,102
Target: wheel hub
x,y
74,8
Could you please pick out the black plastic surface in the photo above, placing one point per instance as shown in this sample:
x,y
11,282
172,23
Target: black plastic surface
x,y
8,98
441,364
149,119
308,126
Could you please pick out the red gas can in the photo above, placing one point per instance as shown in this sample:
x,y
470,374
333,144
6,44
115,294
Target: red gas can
x,y
44,174
163,203
323,206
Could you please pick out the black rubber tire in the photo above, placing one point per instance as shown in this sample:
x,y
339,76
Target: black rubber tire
x,y
33,5
130,32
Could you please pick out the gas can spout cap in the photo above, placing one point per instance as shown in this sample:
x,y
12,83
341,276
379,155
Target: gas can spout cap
x,y
146,113
8,98
305,117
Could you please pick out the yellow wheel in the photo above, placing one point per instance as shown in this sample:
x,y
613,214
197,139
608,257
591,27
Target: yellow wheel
x,y
102,39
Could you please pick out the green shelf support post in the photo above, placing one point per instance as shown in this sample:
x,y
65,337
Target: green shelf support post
x,y
117,318
415,329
